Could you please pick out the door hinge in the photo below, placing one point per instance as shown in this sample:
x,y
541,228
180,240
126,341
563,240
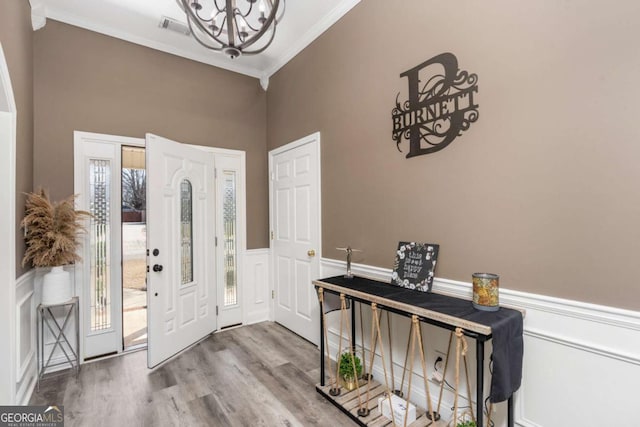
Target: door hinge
x,y
215,173
273,294
216,240
273,176
216,310
271,234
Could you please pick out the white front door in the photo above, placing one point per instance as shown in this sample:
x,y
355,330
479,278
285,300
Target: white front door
x,y
181,284
295,225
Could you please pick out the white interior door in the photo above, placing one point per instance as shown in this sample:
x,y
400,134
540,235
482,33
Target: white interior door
x,y
295,222
180,236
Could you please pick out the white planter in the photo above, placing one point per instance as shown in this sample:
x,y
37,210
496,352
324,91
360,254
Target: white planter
x,y
56,286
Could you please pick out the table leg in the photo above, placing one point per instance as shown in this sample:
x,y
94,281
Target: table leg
x,y
322,343
510,417
479,382
353,327
77,337
39,356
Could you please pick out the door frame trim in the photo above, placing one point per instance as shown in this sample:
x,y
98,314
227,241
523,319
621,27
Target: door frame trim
x,y
8,252
241,218
313,139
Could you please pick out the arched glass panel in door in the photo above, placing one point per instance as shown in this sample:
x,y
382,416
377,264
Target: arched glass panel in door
x,y
186,231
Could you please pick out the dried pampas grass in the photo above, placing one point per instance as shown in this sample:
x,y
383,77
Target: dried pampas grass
x,y
51,230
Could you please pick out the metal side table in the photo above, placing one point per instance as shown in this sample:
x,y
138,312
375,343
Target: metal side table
x,y
59,332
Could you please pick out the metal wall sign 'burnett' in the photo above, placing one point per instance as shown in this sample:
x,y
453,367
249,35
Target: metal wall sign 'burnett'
x,y
440,106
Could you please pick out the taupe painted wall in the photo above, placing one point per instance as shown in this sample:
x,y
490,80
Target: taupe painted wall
x,y
544,189
16,36
90,82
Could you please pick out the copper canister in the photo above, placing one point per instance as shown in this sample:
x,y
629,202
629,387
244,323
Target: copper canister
x,y
485,291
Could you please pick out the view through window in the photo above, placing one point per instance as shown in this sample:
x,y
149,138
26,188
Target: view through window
x,y
134,244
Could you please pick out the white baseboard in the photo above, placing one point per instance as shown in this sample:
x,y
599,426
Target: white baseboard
x,y
23,396
581,361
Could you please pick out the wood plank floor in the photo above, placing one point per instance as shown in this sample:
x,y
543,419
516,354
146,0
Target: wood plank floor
x,y
258,375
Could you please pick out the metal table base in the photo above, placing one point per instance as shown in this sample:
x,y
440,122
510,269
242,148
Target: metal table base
x,y
59,333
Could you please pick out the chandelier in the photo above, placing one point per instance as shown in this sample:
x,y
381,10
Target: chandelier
x,y
235,27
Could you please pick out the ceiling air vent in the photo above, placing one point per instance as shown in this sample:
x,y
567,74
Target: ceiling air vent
x,y
174,25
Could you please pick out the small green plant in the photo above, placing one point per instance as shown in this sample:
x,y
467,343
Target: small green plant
x,y
346,366
468,423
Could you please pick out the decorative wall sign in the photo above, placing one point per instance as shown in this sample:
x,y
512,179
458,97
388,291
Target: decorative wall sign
x,y
440,105
414,266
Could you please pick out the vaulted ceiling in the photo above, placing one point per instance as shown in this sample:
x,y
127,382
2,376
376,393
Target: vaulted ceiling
x,y
138,21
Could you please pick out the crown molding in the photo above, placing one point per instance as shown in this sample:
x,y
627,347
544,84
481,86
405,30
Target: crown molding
x,y
41,13
38,14
67,18
313,33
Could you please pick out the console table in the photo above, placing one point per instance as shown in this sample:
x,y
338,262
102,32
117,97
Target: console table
x,y
503,326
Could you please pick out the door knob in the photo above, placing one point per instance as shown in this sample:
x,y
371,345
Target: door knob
x,y
311,252
157,268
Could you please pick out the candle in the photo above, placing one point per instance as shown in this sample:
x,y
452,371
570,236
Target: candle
x,y
485,291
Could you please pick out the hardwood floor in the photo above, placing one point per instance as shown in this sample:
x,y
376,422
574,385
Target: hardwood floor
x,y
258,375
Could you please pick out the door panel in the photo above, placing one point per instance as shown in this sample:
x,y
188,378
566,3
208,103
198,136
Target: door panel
x,y
303,216
304,294
282,214
295,190
180,221
283,285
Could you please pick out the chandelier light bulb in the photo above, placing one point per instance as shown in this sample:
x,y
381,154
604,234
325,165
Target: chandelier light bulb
x,y
262,8
213,24
243,30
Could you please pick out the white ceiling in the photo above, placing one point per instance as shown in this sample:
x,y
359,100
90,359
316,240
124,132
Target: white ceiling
x,y
138,21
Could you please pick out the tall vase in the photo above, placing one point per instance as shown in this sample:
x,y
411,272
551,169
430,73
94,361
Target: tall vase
x,y
56,286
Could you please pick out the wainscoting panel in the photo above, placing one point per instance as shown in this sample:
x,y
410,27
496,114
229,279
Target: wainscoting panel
x,y
256,285
581,361
25,345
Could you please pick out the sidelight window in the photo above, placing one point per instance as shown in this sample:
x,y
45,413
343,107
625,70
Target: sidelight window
x,y
230,245
100,262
